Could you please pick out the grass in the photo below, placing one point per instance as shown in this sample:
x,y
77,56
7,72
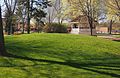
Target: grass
x,y
118,36
60,56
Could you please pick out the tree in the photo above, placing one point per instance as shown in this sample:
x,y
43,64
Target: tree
x,y
21,12
51,13
28,16
113,7
2,45
39,3
58,7
38,14
113,12
56,12
88,8
10,8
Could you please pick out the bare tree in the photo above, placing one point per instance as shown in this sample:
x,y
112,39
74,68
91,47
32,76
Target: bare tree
x,y
88,8
10,6
113,12
56,12
21,13
2,45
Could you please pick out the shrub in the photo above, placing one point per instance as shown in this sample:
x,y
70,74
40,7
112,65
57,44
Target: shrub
x,y
55,28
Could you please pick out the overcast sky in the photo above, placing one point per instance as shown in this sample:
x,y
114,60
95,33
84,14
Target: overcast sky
x,y
2,5
1,2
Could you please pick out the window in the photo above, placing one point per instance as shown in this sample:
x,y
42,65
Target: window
x,y
75,26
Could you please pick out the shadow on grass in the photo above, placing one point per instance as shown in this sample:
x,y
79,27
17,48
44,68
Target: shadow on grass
x,y
69,62
86,66
117,69
117,40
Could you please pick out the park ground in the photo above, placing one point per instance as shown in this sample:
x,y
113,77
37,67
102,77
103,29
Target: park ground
x,y
60,56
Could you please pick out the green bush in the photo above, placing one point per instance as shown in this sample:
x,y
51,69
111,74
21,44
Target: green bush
x,y
55,28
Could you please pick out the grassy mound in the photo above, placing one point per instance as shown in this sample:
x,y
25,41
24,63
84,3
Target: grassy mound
x,y
60,56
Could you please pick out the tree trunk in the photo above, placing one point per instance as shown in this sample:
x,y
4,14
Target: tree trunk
x,y
38,27
9,29
23,26
6,27
91,29
28,16
49,19
61,21
90,20
2,45
110,27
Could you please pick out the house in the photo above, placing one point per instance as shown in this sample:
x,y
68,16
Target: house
x,y
116,28
80,25
19,26
104,28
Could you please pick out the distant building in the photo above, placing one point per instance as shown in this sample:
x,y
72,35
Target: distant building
x,y
104,28
116,28
19,26
80,25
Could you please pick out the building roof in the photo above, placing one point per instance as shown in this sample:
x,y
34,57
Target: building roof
x,y
81,19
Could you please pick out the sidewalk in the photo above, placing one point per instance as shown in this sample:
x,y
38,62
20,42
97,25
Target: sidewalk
x,y
110,37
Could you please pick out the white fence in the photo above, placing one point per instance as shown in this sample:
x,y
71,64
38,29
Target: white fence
x,y
82,31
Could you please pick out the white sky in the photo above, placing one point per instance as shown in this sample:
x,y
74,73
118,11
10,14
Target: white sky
x,y
1,2
2,6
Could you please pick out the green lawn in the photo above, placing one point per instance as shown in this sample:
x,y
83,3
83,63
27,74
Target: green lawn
x,y
60,56
118,36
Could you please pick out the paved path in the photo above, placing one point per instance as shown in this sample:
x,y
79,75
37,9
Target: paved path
x,y
110,37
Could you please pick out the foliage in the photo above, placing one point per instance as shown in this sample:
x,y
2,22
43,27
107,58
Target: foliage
x,y
34,9
55,28
113,10
89,8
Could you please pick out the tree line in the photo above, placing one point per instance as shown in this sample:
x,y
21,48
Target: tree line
x,y
20,10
